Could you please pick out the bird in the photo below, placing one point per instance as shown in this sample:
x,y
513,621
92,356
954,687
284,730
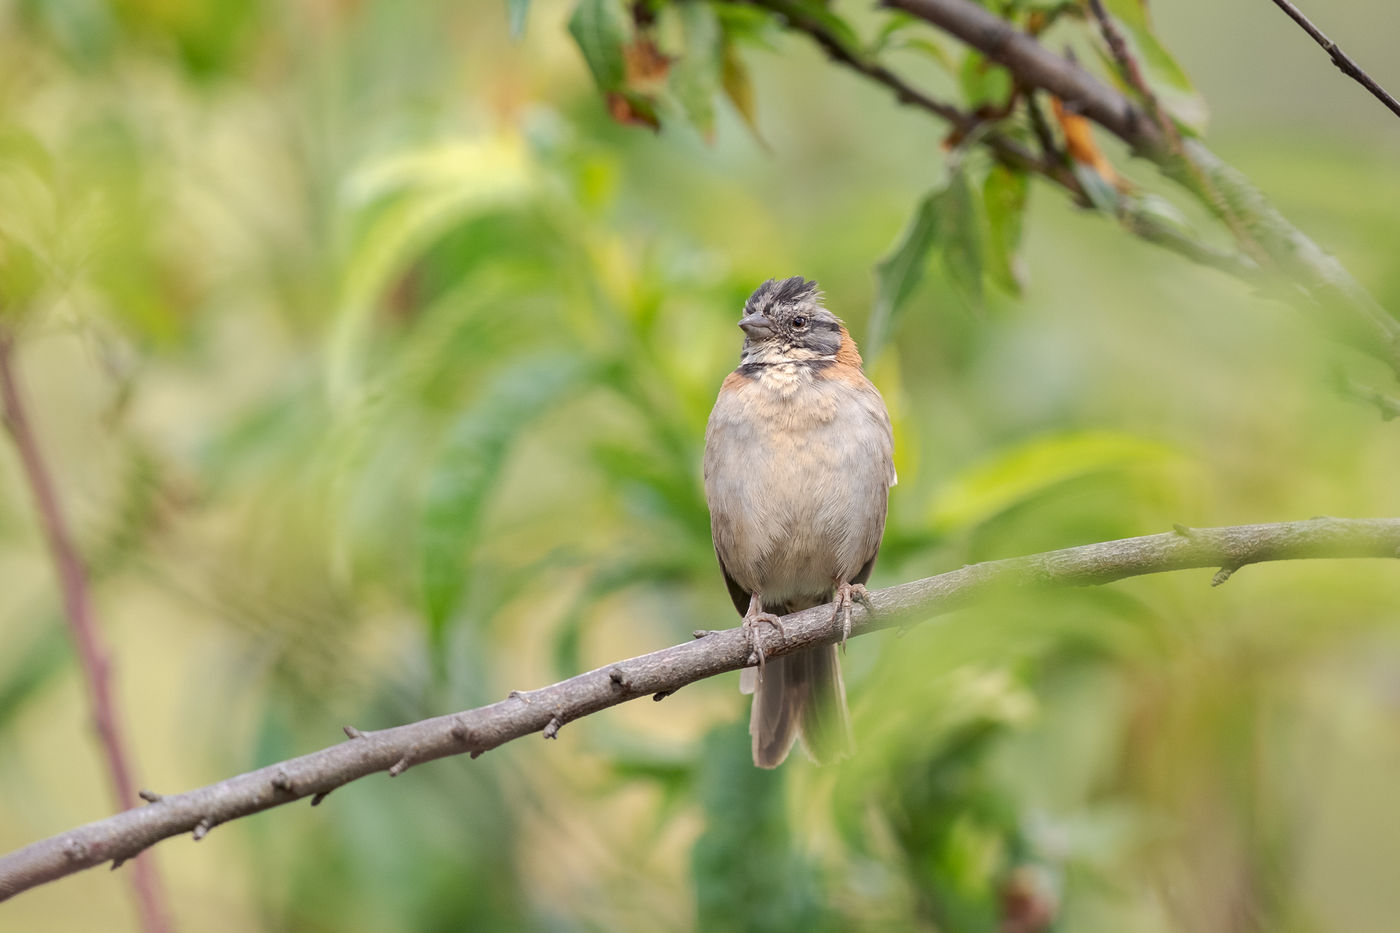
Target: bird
x,y
799,461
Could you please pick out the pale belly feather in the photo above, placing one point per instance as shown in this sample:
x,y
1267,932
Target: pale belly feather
x,y
797,493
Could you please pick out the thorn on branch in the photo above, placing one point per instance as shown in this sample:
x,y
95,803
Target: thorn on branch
x,y
201,829
1223,574
551,729
476,753
517,695
1183,530
149,796
352,732
399,767
701,633
118,862
661,695
318,797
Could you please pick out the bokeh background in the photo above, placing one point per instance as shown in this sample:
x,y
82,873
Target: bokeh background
x,y
373,362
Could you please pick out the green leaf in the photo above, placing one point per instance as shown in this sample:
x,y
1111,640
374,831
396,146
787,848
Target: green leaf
x,y
899,273
517,11
738,87
983,83
1099,190
467,468
696,78
1004,197
398,206
600,29
1025,471
960,229
747,841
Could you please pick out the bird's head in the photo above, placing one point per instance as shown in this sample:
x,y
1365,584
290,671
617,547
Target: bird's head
x,y
784,322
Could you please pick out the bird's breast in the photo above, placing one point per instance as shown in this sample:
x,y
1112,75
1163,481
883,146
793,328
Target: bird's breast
x,y
796,475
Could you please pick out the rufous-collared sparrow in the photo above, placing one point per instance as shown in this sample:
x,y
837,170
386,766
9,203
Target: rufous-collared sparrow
x,y
798,465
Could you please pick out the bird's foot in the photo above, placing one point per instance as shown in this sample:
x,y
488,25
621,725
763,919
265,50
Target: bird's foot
x,y
754,618
846,594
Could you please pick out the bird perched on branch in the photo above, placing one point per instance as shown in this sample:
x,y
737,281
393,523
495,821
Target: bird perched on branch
x,y
798,466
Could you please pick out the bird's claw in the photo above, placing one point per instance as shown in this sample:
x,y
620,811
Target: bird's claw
x,y
846,594
752,621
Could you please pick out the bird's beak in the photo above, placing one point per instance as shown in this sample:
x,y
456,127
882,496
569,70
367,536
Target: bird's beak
x,y
755,326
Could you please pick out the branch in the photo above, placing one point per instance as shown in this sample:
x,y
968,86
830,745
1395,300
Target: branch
x,y
1263,229
1339,58
1004,148
662,673
82,623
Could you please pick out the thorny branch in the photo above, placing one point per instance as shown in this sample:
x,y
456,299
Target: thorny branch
x,y
82,623
1341,59
663,672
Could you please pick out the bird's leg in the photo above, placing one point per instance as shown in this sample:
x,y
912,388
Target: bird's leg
x,y
846,594
752,620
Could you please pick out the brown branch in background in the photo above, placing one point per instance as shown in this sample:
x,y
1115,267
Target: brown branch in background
x,y
1007,150
1132,72
663,672
82,622
1323,281
1339,58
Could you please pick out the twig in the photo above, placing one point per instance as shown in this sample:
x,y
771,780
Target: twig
x,y
1131,71
663,672
1322,279
1339,58
1007,150
82,623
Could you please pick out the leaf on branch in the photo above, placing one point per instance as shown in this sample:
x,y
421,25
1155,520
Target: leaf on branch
x,y
960,230
949,218
599,27
629,70
1030,470
984,83
899,273
697,77
738,87
1004,198
467,469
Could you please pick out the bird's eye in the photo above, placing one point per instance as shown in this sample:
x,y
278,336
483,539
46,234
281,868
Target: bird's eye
x,y
799,321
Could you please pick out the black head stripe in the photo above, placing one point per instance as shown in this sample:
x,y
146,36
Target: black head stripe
x,y
785,291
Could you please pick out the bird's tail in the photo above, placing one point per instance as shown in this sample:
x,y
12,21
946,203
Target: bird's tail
x,y
799,694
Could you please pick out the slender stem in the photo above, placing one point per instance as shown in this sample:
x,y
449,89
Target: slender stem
x,y
1339,58
663,672
82,622
1323,282
1005,149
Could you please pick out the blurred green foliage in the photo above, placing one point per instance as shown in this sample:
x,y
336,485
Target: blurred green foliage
x,y
373,358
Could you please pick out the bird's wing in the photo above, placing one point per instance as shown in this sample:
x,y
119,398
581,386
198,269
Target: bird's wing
x,y
737,593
